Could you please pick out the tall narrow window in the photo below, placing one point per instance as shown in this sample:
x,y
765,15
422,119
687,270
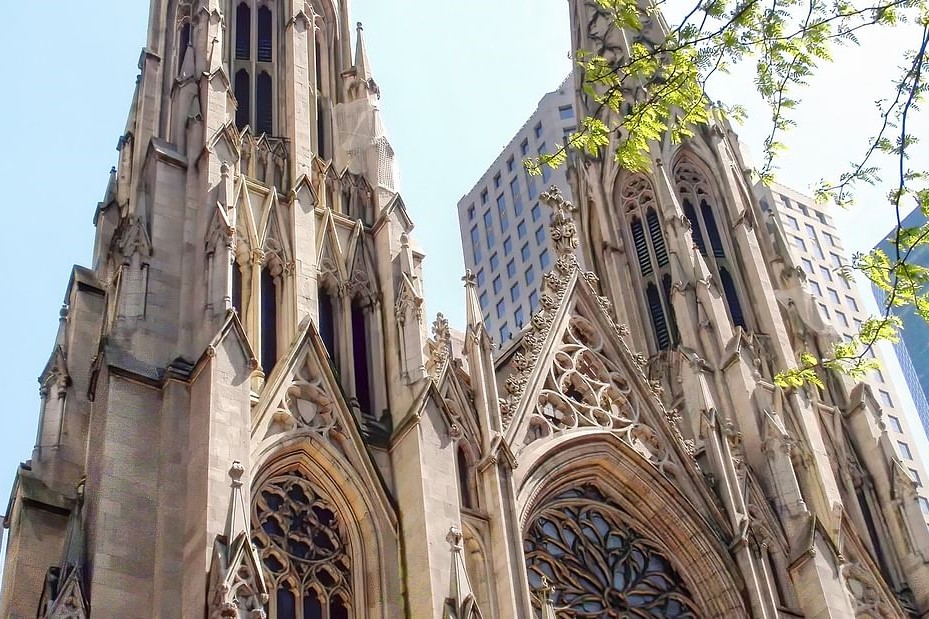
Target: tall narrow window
x,y
321,128
268,321
672,320
183,42
637,198
662,336
327,323
360,356
654,231
716,242
243,93
237,288
286,603
243,32
695,230
464,479
264,104
697,196
265,37
312,606
732,299
641,246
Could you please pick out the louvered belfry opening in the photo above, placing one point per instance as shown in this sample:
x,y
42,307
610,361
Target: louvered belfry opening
x,y
254,67
651,251
694,188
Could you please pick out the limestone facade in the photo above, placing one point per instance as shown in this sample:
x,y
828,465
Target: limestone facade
x,y
245,414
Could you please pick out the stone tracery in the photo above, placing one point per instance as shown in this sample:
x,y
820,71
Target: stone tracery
x,y
600,567
300,538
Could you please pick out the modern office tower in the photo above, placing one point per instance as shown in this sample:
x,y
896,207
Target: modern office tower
x,y
913,348
503,225
242,415
815,245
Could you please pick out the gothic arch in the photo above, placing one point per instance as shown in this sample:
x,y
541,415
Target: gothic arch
x,y
652,507
367,529
649,255
698,190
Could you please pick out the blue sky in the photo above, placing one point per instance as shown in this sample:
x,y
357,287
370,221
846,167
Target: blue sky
x,y
457,80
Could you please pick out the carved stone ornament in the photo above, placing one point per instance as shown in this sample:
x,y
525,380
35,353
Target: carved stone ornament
x,y
442,346
307,405
603,568
868,601
584,388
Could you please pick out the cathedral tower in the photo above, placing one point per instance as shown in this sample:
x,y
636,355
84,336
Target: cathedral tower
x,y
242,415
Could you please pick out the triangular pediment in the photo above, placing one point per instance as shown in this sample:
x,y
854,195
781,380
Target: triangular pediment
x,y
71,602
578,376
396,209
302,401
359,265
330,266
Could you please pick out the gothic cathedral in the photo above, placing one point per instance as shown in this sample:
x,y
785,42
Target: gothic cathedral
x,y
244,414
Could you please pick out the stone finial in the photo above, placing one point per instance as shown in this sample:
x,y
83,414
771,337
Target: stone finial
x,y
454,538
545,592
236,471
562,228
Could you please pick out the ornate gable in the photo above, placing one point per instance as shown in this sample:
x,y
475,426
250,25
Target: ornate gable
x,y
302,401
70,601
576,374
362,280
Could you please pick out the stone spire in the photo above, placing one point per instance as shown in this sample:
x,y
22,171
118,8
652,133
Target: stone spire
x,y
363,65
460,603
473,315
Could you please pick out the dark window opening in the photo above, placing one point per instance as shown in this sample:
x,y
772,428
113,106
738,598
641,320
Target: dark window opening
x,y
662,337
320,128
286,603
242,95
716,241
339,609
464,486
654,231
243,32
319,66
641,246
691,215
265,38
732,298
672,319
182,44
237,288
264,105
327,322
312,606
360,356
268,321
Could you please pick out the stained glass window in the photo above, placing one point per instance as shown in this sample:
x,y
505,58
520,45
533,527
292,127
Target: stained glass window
x,y
299,537
579,541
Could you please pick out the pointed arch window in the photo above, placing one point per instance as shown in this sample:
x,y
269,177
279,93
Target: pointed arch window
x,y
300,538
361,356
237,288
651,253
698,201
269,313
243,32
465,490
254,66
327,323
265,35
322,64
183,37
264,119
582,541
